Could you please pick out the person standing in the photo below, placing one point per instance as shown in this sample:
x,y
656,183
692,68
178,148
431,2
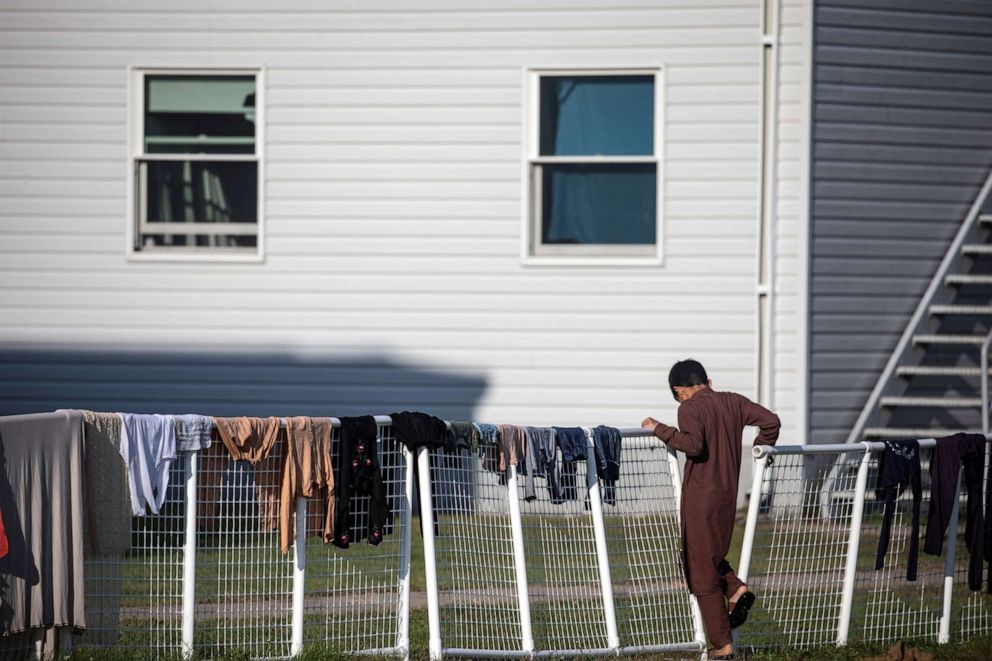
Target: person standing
x,y
710,430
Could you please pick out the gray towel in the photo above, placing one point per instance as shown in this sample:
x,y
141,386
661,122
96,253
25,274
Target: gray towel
x,y
193,432
108,501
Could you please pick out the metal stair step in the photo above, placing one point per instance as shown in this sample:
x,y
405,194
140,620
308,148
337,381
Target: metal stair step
x,y
967,279
941,310
932,402
976,340
976,249
938,370
903,432
985,218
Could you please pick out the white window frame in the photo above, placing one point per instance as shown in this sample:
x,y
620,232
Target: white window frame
x,y
136,207
533,252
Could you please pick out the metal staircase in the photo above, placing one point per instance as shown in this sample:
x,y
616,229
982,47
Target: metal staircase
x,y
936,381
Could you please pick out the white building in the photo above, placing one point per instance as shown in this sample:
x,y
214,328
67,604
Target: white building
x,y
520,211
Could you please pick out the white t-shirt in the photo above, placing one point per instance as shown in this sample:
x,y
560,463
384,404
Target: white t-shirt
x,y
148,446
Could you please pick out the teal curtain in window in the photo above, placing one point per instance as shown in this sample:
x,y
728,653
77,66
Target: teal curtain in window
x,y
602,203
599,204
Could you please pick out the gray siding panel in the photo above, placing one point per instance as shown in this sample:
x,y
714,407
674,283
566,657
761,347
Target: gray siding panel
x,y
902,140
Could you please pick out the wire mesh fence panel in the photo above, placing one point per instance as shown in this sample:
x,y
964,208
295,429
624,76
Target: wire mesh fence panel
x,y
971,612
643,536
477,586
243,581
886,605
566,600
800,551
134,599
352,596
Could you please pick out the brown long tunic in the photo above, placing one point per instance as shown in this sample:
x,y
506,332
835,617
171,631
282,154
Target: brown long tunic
x,y
710,431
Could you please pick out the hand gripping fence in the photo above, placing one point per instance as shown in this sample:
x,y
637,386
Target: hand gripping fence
x,y
813,526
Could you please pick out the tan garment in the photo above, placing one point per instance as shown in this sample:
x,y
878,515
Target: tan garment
x,y
306,471
511,445
255,440
108,501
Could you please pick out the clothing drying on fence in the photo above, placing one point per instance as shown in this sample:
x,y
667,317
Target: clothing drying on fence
x,y
573,443
148,446
41,503
898,468
462,436
193,432
254,440
489,447
511,447
950,454
607,444
359,474
416,430
710,431
307,472
108,500
541,459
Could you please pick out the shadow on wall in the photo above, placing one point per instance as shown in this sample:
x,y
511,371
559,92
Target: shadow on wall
x,y
260,383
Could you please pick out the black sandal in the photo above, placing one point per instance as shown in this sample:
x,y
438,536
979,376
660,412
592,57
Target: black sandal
x,y
742,607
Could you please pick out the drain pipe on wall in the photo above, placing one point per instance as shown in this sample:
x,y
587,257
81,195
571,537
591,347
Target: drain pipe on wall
x,y
767,200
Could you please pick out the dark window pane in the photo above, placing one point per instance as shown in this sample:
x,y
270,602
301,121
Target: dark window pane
x,y
199,114
599,204
202,192
198,241
597,115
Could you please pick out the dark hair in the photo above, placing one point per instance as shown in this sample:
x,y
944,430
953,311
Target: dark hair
x,y
687,373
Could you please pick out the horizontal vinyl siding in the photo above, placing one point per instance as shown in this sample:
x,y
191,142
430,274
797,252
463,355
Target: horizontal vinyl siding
x,y
392,277
902,142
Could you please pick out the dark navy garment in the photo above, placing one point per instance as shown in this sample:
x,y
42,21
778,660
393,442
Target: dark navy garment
x,y
951,453
606,443
898,468
573,443
358,474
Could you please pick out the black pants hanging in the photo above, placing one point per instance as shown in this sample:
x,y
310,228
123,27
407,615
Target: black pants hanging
x,y
951,453
358,474
899,467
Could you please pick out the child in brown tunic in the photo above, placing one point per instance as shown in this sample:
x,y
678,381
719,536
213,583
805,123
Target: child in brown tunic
x,y
710,431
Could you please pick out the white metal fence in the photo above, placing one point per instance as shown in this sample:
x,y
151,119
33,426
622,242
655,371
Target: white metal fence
x,y
206,574
809,549
511,577
596,572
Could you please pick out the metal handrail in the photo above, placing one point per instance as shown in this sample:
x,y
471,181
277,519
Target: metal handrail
x,y
985,382
871,405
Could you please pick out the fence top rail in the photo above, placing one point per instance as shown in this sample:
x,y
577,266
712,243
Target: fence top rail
x,y
760,451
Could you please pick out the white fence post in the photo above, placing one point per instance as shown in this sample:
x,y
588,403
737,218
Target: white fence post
x,y
403,633
599,531
189,555
853,544
944,633
519,562
299,576
697,615
760,454
430,558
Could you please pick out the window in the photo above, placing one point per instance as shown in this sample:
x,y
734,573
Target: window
x,y
196,163
593,161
